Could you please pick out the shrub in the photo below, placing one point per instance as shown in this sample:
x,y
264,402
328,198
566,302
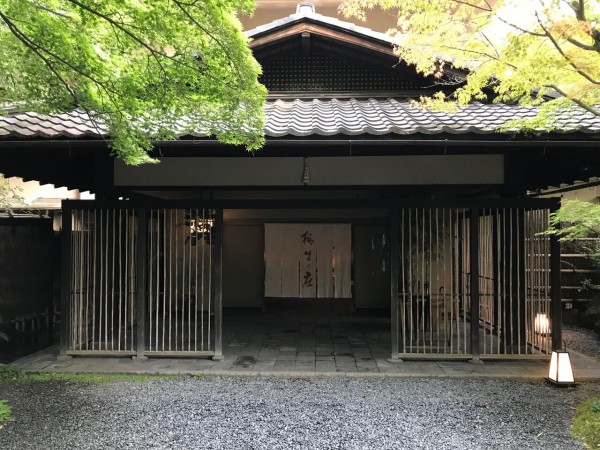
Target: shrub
x,y
10,372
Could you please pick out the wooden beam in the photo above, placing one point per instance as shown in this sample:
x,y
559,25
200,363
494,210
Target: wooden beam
x,y
317,203
339,36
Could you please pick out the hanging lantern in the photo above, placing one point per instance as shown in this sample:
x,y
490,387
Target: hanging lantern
x,y
200,227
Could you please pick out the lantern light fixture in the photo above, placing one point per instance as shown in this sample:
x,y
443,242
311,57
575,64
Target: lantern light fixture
x,y
541,324
200,227
305,173
560,373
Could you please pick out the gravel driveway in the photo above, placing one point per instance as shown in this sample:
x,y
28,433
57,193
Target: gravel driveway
x,y
581,340
271,413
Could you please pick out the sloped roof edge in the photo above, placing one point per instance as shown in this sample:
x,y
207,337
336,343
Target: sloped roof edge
x,y
308,16
327,117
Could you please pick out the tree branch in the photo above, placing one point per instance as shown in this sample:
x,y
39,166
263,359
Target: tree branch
x,y
579,8
219,43
588,108
533,33
122,28
48,10
564,55
27,42
35,48
581,45
155,53
481,8
487,55
490,44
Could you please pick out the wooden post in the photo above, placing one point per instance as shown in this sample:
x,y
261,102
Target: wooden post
x,y
555,288
513,251
140,282
505,257
508,243
497,287
474,281
521,328
460,258
394,236
217,273
65,281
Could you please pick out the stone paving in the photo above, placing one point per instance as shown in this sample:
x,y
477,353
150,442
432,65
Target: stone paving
x,y
305,345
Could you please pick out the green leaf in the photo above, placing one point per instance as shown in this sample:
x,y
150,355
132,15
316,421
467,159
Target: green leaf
x,y
141,67
520,51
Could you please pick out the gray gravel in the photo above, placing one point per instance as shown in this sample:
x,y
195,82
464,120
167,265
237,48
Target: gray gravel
x,y
581,340
272,413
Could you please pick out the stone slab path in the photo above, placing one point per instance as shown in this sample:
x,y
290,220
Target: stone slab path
x,y
263,344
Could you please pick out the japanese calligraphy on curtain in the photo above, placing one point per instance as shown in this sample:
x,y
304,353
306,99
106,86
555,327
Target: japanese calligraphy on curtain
x,y
308,260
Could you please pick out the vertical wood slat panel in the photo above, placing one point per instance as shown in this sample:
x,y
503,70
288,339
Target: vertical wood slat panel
x,y
116,256
180,265
501,267
429,318
537,279
98,270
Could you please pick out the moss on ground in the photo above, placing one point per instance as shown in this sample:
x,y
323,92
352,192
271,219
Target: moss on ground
x,y
5,413
95,378
586,425
11,372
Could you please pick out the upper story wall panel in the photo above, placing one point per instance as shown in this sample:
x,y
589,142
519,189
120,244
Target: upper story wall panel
x,y
321,72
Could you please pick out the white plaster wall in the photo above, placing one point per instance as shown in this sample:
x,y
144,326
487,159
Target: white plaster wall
x,y
42,196
591,194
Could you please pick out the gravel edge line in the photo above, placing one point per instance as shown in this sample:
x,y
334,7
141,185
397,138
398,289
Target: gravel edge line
x,y
317,375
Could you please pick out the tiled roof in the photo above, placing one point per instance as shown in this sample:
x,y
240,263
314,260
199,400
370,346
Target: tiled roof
x,y
327,117
383,116
319,18
75,124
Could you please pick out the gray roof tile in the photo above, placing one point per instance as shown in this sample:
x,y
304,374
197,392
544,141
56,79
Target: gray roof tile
x,y
324,117
75,124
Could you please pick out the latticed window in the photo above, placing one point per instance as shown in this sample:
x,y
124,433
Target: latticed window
x,y
321,73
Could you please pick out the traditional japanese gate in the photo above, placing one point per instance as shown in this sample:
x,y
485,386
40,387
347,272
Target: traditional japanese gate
x,y
470,279
141,281
474,281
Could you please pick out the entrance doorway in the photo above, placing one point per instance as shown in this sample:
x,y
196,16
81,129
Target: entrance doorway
x,y
308,260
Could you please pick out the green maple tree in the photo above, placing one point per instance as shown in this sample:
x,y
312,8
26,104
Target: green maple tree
x,y
147,69
544,53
